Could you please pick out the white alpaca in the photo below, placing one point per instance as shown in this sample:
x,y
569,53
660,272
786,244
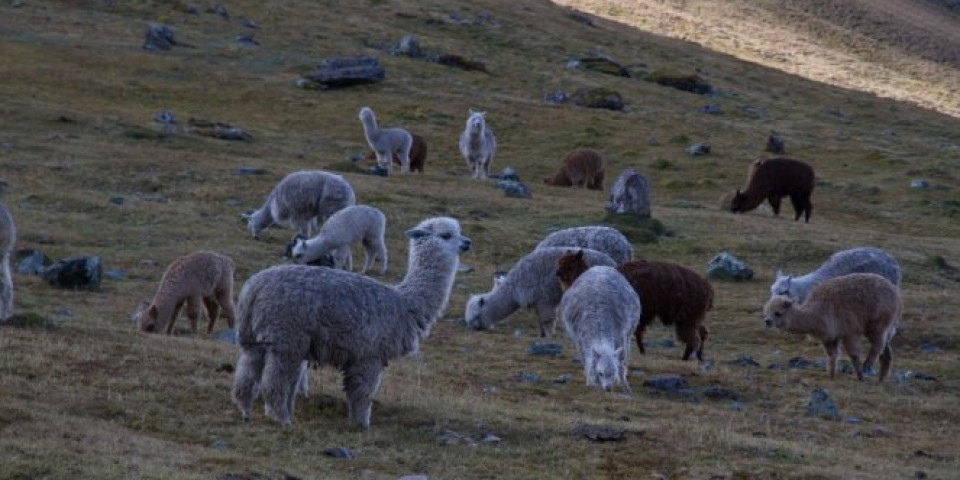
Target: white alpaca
x,y
387,141
299,200
8,237
358,223
478,144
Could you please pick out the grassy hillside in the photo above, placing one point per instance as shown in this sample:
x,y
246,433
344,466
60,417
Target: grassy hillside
x,y
84,395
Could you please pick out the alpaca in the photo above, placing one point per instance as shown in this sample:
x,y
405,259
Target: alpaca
x,y
356,223
845,262
299,200
292,313
478,145
841,310
603,239
677,295
418,154
774,179
599,311
580,168
198,279
8,239
386,142
531,283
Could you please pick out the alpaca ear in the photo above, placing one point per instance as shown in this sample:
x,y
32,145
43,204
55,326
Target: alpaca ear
x,y
246,215
580,255
415,233
778,274
153,312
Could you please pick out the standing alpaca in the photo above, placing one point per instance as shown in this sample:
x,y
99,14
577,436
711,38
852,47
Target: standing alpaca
x,y
386,142
8,238
845,262
357,223
418,154
602,239
292,313
774,179
198,280
478,145
299,200
581,167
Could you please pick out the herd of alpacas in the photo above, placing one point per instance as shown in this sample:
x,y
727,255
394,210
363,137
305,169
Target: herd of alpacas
x,y
289,316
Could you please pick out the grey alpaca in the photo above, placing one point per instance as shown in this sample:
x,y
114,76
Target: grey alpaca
x,y
602,239
357,223
292,313
386,141
531,283
600,310
8,239
844,262
299,200
478,144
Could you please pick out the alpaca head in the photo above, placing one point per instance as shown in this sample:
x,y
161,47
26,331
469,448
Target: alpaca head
x,y
736,204
146,317
257,221
298,248
476,122
781,286
569,267
439,233
776,310
606,366
473,314
366,113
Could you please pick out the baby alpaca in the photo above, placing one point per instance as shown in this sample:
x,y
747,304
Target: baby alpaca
x,y
8,238
602,239
841,310
774,179
299,200
418,154
386,142
478,144
198,279
358,223
580,168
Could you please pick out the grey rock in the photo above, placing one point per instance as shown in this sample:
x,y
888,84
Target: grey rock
x,y
31,262
775,144
115,274
117,200
821,405
699,149
715,392
599,433
725,266
603,64
630,193
572,64
929,348
247,23
545,349
851,419
219,9
78,273
666,382
339,452
219,444
249,171
507,174
464,268
800,363
919,183
65,312
744,361
735,406
191,9
491,438
908,375
159,37
377,170
525,377
165,117
16,4
514,189
408,46
602,98
556,96
347,71
247,41
227,336
450,437
561,379
754,112
711,109
582,19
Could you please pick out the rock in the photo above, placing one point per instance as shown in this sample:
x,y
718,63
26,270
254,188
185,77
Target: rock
x,y
514,189
735,406
408,46
247,41
686,82
919,183
165,117
115,274
450,437
159,37
698,149
744,361
727,267
800,363
666,382
908,374
572,64
599,433
753,112
630,194
414,477
715,392
545,349
928,347
117,200
561,379
191,9
603,65
491,438
775,144
339,452
464,268
582,19
556,96
31,262
461,62
598,98
822,405
711,109
347,71
525,377
220,130
377,170
507,174
16,4
219,444
227,336
79,273
246,23
249,171
219,10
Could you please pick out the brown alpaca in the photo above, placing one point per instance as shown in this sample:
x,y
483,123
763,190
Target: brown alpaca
x,y
198,279
774,179
418,154
581,168
675,294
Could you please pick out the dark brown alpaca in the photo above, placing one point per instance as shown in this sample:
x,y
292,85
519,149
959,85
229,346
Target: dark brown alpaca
x,y
774,179
418,154
675,294
581,168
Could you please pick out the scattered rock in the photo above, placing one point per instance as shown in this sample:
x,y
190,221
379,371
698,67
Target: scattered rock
x,y
735,406
545,349
603,65
599,433
247,41
16,4
715,392
508,174
561,379
822,405
685,82
408,46
220,130
908,374
249,171
339,452
227,336
165,117
491,439
630,194
851,419
219,444
753,112
117,200
800,363
744,361
664,343
582,19
377,170
31,262
598,98
667,382
711,109
461,62
246,23
347,71
450,437
698,149
514,189
775,144
115,274
556,96
919,183
79,273
159,37
727,267
525,377
219,9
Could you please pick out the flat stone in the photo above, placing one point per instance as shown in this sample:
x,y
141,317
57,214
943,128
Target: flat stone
x,y
599,433
822,405
666,382
545,349
339,452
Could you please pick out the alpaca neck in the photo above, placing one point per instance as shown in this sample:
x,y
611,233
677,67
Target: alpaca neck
x,y
262,218
498,304
801,321
370,128
429,277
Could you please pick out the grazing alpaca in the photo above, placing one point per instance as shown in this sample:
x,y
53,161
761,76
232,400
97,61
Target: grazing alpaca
x,y
580,168
774,179
599,311
841,310
478,145
386,142
418,154
199,280
8,238
299,200
357,223
675,294
293,313
602,239
845,262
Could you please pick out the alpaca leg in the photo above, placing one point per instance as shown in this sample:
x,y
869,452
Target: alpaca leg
x,y
798,206
168,328
381,249
369,255
213,311
343,258
774,200
548,319
875,348
194,304
245,379
384,160
623,379
281,374
639,334
853,351
886,359
405,155
6,290
703,339
831,348
361,381
808,210
225,300
690,335
303,384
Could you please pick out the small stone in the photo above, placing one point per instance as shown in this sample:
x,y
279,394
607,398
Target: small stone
x,y
775,144
408,46
599,433
65,312
565,378
339,452
247,41
711,109
453,438
377,170
919,183
720,393
800,363
227,336
146,262
508,174
249,171
545,349
115,274
219,444
246,23
16,4
514,189
528,377
744,361
699,149
464,268
491,438
851,419
822,405
727,267
159,37
219,10
31,262
735,406
556,96
929,348
117,200
666,382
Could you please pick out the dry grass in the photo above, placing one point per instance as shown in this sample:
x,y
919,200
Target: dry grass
x,y
89,397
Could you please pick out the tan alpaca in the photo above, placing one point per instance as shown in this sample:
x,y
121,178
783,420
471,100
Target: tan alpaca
x,y
198,279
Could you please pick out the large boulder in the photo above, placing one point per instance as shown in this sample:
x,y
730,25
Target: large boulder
x,y
347,71
630,194
159,37
598,98
727,267
78,273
